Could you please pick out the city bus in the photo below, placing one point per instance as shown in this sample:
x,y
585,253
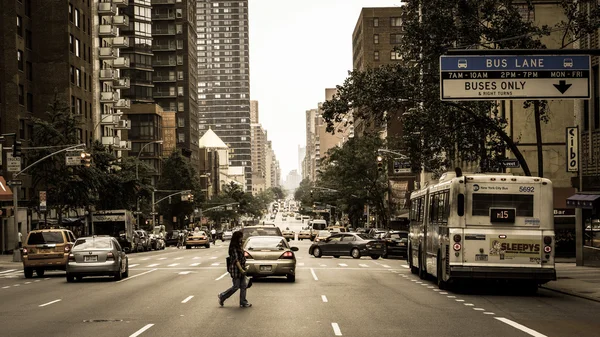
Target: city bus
x,y
483,226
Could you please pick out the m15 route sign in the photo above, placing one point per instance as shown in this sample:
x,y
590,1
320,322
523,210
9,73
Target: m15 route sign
x,y
514,77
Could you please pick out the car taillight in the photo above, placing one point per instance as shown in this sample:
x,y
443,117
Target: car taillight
x,y
110,256
247,255
287,255
24,251
71,257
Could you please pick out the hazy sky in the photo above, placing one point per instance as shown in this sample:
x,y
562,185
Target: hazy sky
x,y
297,49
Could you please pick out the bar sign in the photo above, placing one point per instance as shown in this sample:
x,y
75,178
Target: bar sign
x,y
572,149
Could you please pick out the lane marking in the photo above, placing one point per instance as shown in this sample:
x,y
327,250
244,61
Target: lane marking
x,y
430,287
336,329
385,266
140,331
146,259
7,271
5,287
488,313
435,289
312,271
197,257
324,298
163,258
179,258
215,264
16,285
184,272
443,293
469,304
364,265
187,299
213,257
300,264
36,281
404,266
479,309
51,302
173,265
194,264
134,276
220,277
133,265
342,265
323,265
27,282
459,300
153,265
520,327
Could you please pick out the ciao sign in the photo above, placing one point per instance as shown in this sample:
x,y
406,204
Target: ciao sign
x,y
572,149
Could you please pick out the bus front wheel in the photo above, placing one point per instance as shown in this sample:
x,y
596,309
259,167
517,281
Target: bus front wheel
x,y
443,285
422,270
413,269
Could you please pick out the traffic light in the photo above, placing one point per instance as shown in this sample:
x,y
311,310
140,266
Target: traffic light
x,y
311,194
86,159
379,163
16,148
191,198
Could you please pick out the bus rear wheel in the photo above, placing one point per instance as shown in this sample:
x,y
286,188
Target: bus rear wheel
x,y
413,269
422,270
443,285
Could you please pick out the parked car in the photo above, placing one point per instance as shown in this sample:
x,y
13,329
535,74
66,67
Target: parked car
x,y
46,249
352,244
196,239
304,234
141,241
97,256
249,231
396,243
270,256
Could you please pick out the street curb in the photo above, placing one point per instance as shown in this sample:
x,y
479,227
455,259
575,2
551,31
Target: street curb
x,y
585,297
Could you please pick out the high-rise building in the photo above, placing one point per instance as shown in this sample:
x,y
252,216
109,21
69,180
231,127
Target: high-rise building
x,y
259,163
175,69
301,154
224,77
145,115
109,121
253,111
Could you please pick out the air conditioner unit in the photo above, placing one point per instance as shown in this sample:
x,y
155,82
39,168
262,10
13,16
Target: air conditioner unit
x,y
124,124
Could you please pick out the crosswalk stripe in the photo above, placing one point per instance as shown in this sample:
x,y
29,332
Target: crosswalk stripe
x,y
153,265
363,265
342,265
162,258
216,264
385,266
172,264
133,265
194,264
7,271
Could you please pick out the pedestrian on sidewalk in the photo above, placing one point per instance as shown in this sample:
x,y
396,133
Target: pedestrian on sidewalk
x,y
236,267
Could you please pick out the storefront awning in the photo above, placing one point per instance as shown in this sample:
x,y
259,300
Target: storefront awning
x,y
5,192
581,200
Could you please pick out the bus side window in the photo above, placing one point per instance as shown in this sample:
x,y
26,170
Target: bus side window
x,y
461,205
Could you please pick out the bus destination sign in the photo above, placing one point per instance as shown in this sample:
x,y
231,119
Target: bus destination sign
x,y
514,77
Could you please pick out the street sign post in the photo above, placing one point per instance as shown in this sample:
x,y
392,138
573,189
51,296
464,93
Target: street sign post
x,y
13,164
42,201
402,166
511,163
523,77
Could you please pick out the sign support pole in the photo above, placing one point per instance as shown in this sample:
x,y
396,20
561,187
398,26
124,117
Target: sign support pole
x,y
16,250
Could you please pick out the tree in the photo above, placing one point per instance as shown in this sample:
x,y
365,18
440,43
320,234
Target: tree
x,y
179,175
278,192
67,187
439,133
349,178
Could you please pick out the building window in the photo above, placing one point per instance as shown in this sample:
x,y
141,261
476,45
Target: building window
x,y
395,38
71,43
179,29
180,91
180,75
375,22
77,18
19,25
179,13
70,12
78,77
396,22
78,106
376,56
179,44
181,137
21,94
179,59
29,71
376,38
72,74
395,55
20,59
180,106
22,128
77,48
72,104
29,102
28,7
28,39
180,122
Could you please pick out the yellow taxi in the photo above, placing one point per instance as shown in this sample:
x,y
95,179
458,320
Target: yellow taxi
x,y
197,239
46,249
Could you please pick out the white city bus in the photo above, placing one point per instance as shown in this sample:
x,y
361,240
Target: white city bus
x,y
483,226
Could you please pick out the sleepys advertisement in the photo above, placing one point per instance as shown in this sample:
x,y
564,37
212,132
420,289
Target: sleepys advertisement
x,y
511,248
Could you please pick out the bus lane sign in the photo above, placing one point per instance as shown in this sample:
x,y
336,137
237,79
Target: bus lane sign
x,y
522,77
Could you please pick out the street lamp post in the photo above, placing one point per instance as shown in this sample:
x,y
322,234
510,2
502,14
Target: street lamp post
x,y
137,162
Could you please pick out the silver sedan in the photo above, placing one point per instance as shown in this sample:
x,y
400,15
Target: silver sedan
x,y
97,256
270,256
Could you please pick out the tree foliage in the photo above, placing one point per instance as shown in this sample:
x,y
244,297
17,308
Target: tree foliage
x,y
438,133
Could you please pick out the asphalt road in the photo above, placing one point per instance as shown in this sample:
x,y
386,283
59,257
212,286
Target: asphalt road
x,y
173,293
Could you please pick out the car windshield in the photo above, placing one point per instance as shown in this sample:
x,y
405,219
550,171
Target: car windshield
x,y
263,231
363,236
40,238
262,243
92,243
199,233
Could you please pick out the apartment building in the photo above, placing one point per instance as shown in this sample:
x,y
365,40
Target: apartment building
x,y
175,69
224,77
